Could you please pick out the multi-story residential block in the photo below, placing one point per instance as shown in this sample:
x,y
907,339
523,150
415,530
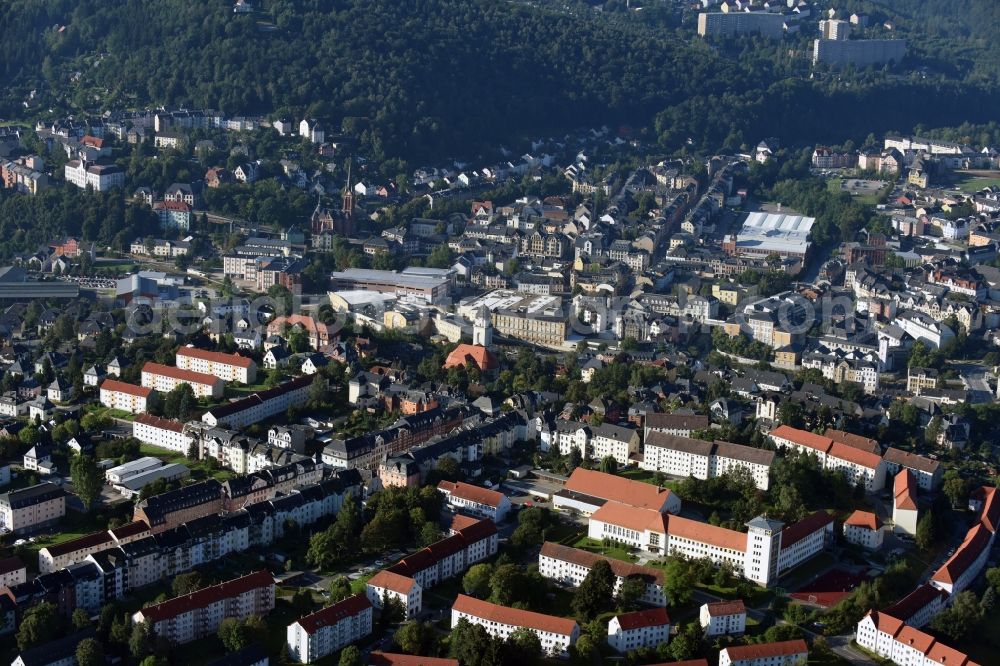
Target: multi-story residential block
x,y
314,636
965,565
228,367
921,378
570,566
893,639
175,507
199,614
387,584
262,404
319,334
640,629
12,572
60,556
864,528
920,606
928,473
476,500
858,465
124,396
684,457
468,543
99,177
587,491
165,378
723,618
556,634
173,215
163,433
733,24
680,425
860,53
783,653
33,508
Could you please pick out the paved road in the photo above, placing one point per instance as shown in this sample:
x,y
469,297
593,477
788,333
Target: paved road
x,y
976,380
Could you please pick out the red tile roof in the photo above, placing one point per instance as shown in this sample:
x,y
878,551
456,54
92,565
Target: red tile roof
x,y
93,540
763,650
630,517
157,422
215,357
911,460
865,519
650,617
461,521
392,581
934,650
130,529
915,638
855,456
189,376
686,528
617,488
587,559
976,540
915,601
513,616
857,441
804,528
990,513
206,596
723,608
389,659
472,493
125,387
904,490
476,355
331,615
803,438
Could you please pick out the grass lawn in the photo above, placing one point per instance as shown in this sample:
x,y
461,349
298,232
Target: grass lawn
x,y
646,476
970,183
564,532
613,551
73,526
199,470
804,573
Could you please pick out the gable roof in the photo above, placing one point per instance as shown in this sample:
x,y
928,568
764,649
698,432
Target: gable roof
x,y
649,617
805,527
616,488
125,387
631,517
392,581
804,438
513,616
472,493
686,528
331,615
208,595
723,608
904,490
865,519
976,539
586,559
764,650
189,376
215,357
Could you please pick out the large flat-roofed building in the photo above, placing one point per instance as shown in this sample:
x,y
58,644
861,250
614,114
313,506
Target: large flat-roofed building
x,y
15,285
734,24
763,234
433,285
858,52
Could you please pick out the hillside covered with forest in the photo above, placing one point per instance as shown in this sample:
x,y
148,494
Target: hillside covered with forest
x,y
436,77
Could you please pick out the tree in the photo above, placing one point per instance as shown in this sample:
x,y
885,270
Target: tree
x,y
993,577
676,584
685,644
470,644
143,639
417,638
476,581
186,583
960,618
631,591
429,533
955,488
609,465
89,653
38,625
441,257
393,610
80,620
925,531
522,647
351,656
340,589
595,592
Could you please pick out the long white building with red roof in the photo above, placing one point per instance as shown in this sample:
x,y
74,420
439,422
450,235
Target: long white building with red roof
x,y
476,500
164,433
850,455
124,396
781,653
228,367
192,616
587,490
891,638
570,566
165,378
556,634
905,511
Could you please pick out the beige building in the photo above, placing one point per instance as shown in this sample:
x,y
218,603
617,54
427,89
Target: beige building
x,y
544,330
124,396
165,378
228,367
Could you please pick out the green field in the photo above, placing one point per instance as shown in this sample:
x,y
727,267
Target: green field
x,y
613,551
970,183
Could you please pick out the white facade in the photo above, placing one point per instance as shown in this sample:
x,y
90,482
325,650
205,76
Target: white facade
x,y
406,590
723,618
892,639
625,638
864,536
477,501
128,401
204,386
570,566
555,633
163,433
228,367
683,457
328,630
785,653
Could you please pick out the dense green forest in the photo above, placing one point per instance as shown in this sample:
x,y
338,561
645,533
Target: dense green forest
x,y
432,77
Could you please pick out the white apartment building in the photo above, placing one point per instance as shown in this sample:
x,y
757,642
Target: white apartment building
x,y
783,653
228,367
12,572
928,473
99,177
199,614
556,634
315,636
965,565
165,378
33,508
475,500
570,566
684,457
857,464
126,397
893,639
164,433
641,629
723,618
681,425
863,528
388,584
